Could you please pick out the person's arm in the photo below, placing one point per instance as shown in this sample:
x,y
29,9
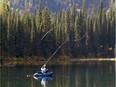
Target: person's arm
x,y
42,67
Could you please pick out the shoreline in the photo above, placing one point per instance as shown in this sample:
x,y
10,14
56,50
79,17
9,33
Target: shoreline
x,y
57,61
97,59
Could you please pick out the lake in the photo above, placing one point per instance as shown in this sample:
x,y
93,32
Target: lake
x,y
101,75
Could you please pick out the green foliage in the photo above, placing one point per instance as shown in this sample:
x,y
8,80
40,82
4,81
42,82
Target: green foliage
x,y
21,33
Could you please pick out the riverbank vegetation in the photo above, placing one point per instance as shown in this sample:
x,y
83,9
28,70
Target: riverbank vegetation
x,y
24,35
62,60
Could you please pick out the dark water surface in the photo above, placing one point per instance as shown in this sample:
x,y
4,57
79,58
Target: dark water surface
x,y
64,76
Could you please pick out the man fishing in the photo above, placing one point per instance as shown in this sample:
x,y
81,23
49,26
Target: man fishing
x,y
43,69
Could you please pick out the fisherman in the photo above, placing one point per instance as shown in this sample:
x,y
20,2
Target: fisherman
x,y
43,69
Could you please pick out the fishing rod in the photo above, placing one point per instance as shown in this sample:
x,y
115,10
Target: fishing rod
x,y
46,34
55,52
61,46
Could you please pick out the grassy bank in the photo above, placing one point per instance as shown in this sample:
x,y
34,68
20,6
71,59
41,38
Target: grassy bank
x,y
36,60
56,60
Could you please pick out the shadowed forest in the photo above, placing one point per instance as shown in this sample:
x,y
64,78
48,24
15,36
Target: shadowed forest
x,y
24,34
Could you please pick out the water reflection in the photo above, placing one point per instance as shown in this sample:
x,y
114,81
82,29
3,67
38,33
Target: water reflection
x,y
85,76
64,76
44,80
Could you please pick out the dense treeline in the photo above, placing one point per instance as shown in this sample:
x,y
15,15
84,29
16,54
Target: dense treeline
x,y
89,35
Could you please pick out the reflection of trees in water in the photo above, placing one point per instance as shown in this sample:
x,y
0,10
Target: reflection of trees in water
x,y
95,77
6,77
32,83
15,77
63,76
79,77
105,76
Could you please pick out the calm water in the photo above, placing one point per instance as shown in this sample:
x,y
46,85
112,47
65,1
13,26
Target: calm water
x,y
64,76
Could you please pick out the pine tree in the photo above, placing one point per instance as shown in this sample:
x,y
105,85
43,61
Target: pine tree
x,y
47,42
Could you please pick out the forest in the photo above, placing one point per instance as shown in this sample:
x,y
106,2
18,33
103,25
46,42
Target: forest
x,y
41,34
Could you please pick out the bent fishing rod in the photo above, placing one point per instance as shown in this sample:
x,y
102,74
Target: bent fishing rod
x,y
61,46
55,52
46,34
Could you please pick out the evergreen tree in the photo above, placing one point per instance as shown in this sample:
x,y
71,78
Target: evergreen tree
x,y
47,44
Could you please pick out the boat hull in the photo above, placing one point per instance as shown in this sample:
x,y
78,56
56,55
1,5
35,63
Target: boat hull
x,y
40,74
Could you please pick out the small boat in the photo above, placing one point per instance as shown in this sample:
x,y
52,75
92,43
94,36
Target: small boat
x,y
40,74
